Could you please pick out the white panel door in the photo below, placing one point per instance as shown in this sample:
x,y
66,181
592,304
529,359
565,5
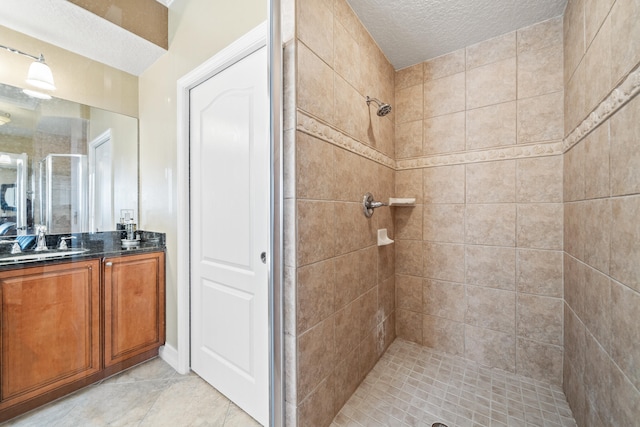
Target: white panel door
x,y
229,173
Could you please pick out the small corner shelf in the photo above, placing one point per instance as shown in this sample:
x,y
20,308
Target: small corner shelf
x,y
405,201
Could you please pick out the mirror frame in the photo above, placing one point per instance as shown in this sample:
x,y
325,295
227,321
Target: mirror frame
x,y
20,189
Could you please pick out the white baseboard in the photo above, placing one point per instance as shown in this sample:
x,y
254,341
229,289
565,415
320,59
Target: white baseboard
x,y
170,355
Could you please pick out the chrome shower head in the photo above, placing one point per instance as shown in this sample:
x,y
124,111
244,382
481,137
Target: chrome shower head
x,y
383,109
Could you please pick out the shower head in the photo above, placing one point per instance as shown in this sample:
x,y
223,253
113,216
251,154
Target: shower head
x,y
383,109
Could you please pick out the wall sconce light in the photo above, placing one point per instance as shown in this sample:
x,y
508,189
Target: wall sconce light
x,y
39,74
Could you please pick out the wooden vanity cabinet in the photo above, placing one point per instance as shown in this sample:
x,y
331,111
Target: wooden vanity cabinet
x,y
65,326
50,331
134,306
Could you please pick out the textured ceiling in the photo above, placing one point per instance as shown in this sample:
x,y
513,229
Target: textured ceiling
x,y
412,31
73,28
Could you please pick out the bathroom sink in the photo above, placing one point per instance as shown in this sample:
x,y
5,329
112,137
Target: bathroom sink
x,y
39,256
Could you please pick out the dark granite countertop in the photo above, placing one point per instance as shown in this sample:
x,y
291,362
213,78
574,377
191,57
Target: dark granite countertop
x,y
84,246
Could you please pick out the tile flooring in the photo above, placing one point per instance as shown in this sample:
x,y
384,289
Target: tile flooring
x,y
413,385
150,394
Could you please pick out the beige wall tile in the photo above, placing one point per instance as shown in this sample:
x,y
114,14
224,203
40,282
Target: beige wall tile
x,y
313,157
540,272
289,68
491,84
347,333
625,31
379,131
597,381
290,348
369,263
290,301
444,223
349,179
386,261
444,299
444,184
346,379
540,318
481,309
598,67
540,226
573,386
596,163
387,299
625,339
492,50
625,156
491,348
315,357
574,276
347,278
595,12
314,17
597,243
540,71
445,65
316,231
409,257
367,320
493,224
409,183
491,126
408,139
625,409
491,266
409,76
443,334
409,325
443,261
491,182
408,222
353,230
409,104
625,241
539,360
444,95
540,118
540,35
317,409
575,106
597,306
574,229
539,180
574,46
575,340
315,294
574,167
290,233
315,85
409,292
349,57
444,134
351,111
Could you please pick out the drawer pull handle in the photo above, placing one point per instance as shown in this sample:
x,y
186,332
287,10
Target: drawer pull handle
x,y
109,264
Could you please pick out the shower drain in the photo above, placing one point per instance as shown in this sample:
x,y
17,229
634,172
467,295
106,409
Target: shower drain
x,y
438,425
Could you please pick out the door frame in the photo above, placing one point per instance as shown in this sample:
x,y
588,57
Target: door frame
x,y
103,138
266,34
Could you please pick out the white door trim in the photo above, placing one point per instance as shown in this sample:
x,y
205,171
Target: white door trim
x,y
93,145
244,46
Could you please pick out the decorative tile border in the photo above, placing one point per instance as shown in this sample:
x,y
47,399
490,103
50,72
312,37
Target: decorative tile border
x,y
618,97
513,152
323,131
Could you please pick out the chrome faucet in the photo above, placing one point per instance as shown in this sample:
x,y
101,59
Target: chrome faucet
x,y
41,244
15,246
62,244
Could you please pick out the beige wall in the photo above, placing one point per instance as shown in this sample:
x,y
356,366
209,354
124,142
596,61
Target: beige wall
x,y
77,78
198,29
339,283
602,207
479,259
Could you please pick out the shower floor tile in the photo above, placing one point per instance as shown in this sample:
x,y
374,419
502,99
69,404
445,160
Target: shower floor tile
x,y
413,385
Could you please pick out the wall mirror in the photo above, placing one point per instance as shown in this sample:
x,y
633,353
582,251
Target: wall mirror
x,y
68,166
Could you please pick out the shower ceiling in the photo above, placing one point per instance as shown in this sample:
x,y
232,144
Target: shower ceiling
x,y
412,31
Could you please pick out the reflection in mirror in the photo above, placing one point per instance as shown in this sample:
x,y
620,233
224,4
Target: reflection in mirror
x,y
77,167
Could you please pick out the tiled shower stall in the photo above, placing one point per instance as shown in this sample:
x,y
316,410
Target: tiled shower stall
x,y
522,252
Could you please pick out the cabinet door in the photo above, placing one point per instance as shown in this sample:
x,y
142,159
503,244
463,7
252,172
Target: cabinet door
x,y
50,332
133,305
